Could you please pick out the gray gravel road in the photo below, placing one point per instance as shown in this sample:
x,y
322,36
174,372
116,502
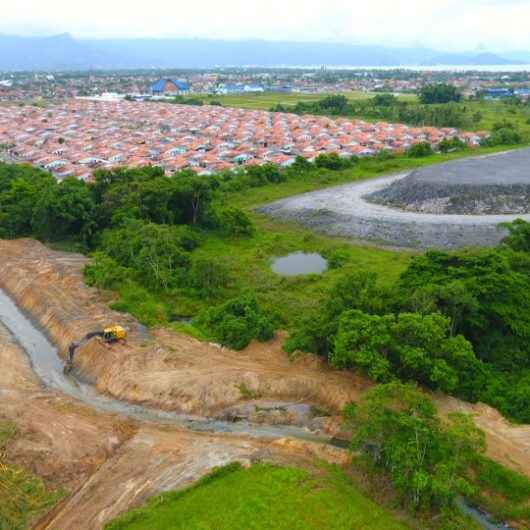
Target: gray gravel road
x,y
342,211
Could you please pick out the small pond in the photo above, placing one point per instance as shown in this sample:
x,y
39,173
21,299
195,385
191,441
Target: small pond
x,y
299,263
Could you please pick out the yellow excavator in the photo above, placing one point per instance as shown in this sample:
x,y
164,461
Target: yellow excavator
x,y
109,335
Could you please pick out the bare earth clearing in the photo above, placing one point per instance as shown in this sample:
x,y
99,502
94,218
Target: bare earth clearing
x,y
112,463
166,370
109,463
453,205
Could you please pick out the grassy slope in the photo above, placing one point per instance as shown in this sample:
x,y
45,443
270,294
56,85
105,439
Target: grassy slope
x,y
23,496
263,497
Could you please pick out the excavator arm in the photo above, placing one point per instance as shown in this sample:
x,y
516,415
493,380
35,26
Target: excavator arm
x,y
109,334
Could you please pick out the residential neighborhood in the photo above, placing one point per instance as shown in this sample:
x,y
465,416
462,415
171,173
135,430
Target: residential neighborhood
x,y
75,137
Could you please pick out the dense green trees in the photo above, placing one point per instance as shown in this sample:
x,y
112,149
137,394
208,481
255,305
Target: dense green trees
x,y
65,210
410,346
156,253
389,108
316,330
484,293
21,187
231,221
456,321
439,93
428,461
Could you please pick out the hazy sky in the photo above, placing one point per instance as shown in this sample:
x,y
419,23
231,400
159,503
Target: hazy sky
x,y
445,24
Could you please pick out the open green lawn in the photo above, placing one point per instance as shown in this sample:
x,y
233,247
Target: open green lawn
x,y
249,260
263,497
267,100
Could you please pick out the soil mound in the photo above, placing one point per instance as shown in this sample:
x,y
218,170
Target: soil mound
x,y
491,185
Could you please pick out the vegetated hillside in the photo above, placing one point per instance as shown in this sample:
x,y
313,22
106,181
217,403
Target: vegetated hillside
x,y
152,232
66,52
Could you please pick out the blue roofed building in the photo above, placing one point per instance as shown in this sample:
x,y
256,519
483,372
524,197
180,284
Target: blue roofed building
x,y
168,87
495,93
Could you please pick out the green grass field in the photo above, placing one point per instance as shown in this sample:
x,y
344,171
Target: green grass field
x,y
249,258
263,497
497,111
267,100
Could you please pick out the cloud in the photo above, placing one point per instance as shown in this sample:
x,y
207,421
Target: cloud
x,y
446,24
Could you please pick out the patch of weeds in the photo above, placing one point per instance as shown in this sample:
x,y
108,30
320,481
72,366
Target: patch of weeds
x,y
247,392
317,412
8,430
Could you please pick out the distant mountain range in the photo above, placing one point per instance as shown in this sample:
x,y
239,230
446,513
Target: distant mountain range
x,y
63,52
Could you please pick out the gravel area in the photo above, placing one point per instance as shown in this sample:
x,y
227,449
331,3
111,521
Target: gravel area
x,y
493,184
343,211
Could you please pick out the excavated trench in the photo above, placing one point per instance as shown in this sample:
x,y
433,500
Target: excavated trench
x,y
50,369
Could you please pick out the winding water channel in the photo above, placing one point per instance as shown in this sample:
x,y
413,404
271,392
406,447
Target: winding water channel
x,y
48,366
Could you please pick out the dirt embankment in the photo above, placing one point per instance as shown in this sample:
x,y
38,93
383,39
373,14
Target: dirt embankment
x,y
165,370
109,463
176,372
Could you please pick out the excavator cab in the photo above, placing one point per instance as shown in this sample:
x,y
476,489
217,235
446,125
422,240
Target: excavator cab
x,y
114,334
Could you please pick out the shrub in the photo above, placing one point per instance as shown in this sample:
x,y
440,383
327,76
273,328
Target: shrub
x,y
208,276
439,93
105,272
420,150
332,161
337,258
316,330
454,144
236,322
232,221
154,252
396,426
504,133
408,346
385,154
